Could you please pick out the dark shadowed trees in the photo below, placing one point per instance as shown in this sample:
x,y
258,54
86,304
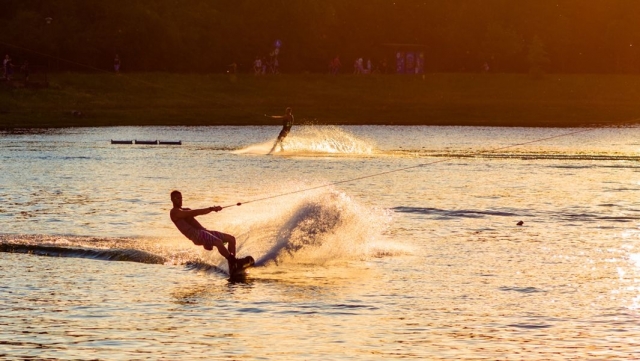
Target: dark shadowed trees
x,y
588,36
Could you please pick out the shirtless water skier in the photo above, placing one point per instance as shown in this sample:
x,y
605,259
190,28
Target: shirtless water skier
x,y
287,123
184,219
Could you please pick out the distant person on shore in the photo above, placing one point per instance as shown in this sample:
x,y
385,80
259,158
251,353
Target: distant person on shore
x,y
287,123
485,67
116,64
7,67
184,219
335,65
257,66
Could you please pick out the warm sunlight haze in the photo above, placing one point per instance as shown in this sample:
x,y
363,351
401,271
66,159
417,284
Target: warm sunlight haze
x,y
320,180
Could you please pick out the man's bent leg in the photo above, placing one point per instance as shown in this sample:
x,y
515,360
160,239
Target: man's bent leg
x,y
274,147
231,257
231,249
231,242
218,239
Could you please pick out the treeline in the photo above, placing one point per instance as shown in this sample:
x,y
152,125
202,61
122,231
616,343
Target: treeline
x,y
563,36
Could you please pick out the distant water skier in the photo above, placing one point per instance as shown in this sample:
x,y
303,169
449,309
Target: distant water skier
x,y
184,219
287,123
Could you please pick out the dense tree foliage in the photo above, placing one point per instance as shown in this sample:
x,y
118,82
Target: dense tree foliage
x,y
567,36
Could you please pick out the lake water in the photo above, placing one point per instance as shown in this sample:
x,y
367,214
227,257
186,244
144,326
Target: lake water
x,y
373,242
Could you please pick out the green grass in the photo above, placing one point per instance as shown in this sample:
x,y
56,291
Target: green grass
x,y
435,99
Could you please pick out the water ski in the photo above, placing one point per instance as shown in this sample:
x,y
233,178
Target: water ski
x,y
242,265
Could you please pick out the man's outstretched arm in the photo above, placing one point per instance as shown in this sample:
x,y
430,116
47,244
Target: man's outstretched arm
x,y
190,213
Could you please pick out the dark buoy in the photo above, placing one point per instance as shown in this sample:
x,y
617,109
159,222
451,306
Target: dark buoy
x,y
520,223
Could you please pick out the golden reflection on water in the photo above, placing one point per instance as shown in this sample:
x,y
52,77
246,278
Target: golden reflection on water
x,y
451,277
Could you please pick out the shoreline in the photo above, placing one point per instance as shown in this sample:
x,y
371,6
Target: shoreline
x,y
444,99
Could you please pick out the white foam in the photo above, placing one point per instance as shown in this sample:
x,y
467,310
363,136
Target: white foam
x,y
311,139
314,228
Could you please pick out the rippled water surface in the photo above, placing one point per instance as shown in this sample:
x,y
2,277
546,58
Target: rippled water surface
x,y
372,243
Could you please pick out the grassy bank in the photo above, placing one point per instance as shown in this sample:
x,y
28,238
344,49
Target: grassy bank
x,y
435,99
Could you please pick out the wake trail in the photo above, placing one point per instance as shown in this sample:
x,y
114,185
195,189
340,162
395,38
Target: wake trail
x,y
310,140
310,229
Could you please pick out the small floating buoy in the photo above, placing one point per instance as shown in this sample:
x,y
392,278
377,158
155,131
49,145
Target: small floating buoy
x,y
520,223
149,142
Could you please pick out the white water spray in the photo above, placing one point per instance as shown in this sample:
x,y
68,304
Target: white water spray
x,y
308,140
